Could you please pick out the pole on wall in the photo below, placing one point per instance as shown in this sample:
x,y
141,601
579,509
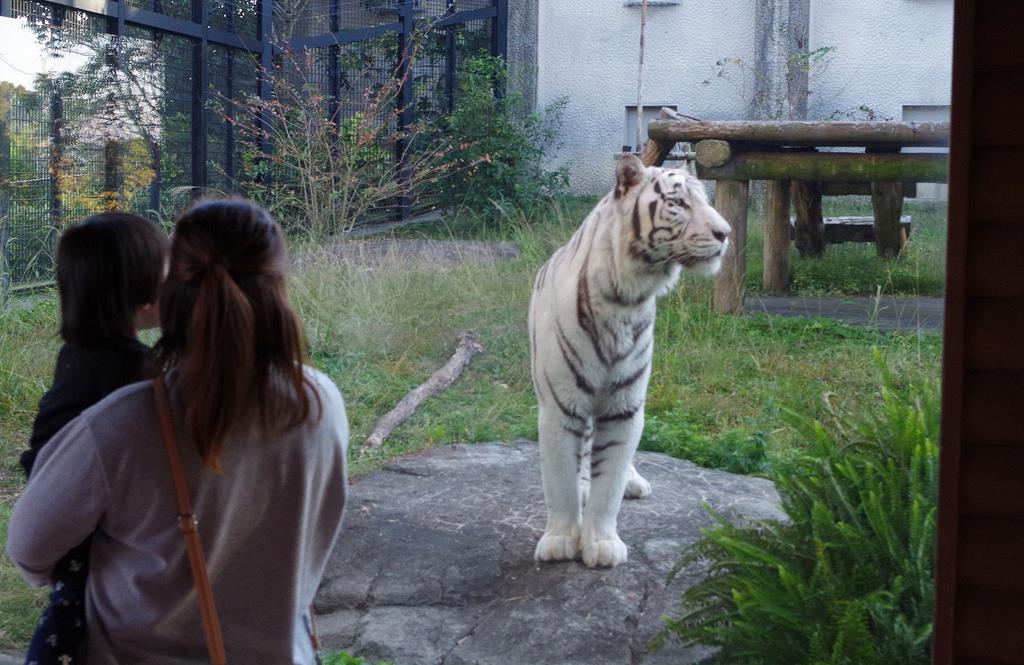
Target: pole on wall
x,y
640,78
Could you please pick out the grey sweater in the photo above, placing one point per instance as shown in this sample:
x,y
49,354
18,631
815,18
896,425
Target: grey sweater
x,y
267,524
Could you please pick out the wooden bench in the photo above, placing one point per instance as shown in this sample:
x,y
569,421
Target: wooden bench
x,y
854,229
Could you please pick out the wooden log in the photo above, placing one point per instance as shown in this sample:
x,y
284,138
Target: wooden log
x,y
830,166
810,225
731,198
469,345
887,202
860,189
776,237
804,132
655,152
712,152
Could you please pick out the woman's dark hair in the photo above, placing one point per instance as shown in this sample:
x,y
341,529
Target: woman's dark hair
x,y
107,267
227,325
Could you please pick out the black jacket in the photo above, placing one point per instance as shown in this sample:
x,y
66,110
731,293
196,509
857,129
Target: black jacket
x,y
84,375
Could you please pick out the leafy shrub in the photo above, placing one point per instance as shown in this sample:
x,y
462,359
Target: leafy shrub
x,y
738,451
849,579
495,149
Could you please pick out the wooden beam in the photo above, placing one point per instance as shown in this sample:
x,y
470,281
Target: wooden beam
x,y
804,132
829,167
776,237
731,197
860,189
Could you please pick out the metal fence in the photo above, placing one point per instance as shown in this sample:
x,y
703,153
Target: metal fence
x,y
146,116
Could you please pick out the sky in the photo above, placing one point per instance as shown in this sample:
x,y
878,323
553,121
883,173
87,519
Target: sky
x,y
22,58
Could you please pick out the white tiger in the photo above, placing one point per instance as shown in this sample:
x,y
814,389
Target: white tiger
x,y
591,333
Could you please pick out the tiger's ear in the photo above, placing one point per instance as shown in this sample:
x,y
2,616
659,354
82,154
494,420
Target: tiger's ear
x,y
629,173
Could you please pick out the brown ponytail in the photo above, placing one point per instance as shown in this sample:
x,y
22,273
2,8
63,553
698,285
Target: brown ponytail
x,y
227,325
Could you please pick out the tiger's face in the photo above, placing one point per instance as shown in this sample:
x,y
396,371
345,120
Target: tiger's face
x,y
669,217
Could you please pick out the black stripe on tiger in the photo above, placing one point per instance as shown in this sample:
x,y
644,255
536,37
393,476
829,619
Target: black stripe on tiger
x,y
640,328
629,380
578,433
636,220
585,311
568,412
601,447
581,382
542,274
621,415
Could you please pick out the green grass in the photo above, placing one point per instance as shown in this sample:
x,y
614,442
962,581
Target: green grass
x,y
854,268
718,392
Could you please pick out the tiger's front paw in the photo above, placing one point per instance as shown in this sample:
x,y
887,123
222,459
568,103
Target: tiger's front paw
x,y
557,547
637,486
608,553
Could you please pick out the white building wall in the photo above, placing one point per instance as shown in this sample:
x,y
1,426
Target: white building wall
x,y
888,53
588,50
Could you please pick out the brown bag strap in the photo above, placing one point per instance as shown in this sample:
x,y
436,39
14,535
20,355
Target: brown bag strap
x,y
187,523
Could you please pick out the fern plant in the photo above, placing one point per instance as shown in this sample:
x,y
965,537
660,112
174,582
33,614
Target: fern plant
x,y
848,580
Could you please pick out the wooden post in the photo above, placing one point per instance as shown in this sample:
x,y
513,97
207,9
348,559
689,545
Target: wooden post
x,y
810,226
776,237
731,202
887,201
656,152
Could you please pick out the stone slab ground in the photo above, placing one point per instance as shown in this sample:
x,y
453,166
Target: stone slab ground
x,y
435,563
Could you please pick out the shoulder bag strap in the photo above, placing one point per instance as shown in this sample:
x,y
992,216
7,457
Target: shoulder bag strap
x,y
187,523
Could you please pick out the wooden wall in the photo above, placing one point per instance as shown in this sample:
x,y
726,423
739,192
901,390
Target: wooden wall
x,y
980,576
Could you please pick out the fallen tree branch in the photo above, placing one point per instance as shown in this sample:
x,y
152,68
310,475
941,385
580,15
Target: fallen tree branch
x,y
469,345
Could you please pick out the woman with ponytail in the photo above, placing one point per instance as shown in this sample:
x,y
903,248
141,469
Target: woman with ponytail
x,y
262,438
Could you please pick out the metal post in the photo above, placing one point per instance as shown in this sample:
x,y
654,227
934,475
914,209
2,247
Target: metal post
x,y
156,150
56,153
5,205
450,61
334,67
229,93
56,136
265,33
405,100
499,34
200,92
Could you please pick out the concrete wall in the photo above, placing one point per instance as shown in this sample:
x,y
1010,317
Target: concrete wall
x,y
888,53
699,57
